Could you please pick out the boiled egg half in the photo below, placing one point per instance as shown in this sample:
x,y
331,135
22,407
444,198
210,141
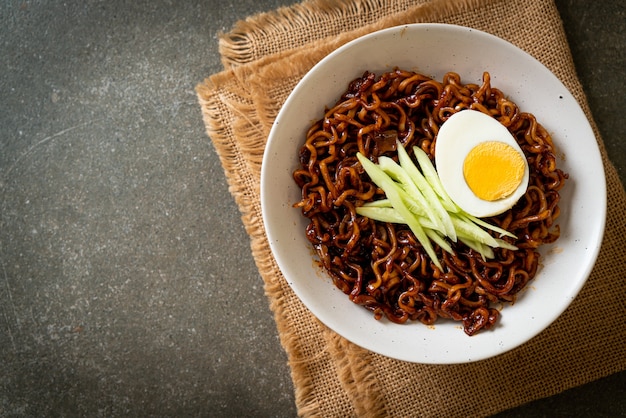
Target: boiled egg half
x,y
480,164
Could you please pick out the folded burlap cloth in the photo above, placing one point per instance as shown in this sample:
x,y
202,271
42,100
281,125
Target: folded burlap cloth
x,y
264,57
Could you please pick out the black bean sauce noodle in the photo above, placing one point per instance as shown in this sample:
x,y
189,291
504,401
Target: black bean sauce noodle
x,y
381,266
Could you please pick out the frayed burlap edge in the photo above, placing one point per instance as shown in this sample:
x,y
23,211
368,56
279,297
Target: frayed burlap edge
x,y
241,44
219,104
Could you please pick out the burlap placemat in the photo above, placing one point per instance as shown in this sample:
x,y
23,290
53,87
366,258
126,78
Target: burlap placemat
x,y
264,57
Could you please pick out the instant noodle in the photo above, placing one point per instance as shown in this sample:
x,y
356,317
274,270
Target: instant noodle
x,y
382,266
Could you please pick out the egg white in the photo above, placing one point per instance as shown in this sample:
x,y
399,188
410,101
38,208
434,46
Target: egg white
x,y
456,138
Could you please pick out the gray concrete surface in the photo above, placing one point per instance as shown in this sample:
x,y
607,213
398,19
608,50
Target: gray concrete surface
x,y
126,283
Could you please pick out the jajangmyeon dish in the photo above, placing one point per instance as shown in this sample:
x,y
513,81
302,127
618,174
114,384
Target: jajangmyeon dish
x,y
383,265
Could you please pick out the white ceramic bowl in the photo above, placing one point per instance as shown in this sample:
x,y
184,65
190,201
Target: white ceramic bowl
x,y
434,49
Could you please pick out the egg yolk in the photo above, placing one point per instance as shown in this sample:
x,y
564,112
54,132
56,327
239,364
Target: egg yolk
x,y
493,170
